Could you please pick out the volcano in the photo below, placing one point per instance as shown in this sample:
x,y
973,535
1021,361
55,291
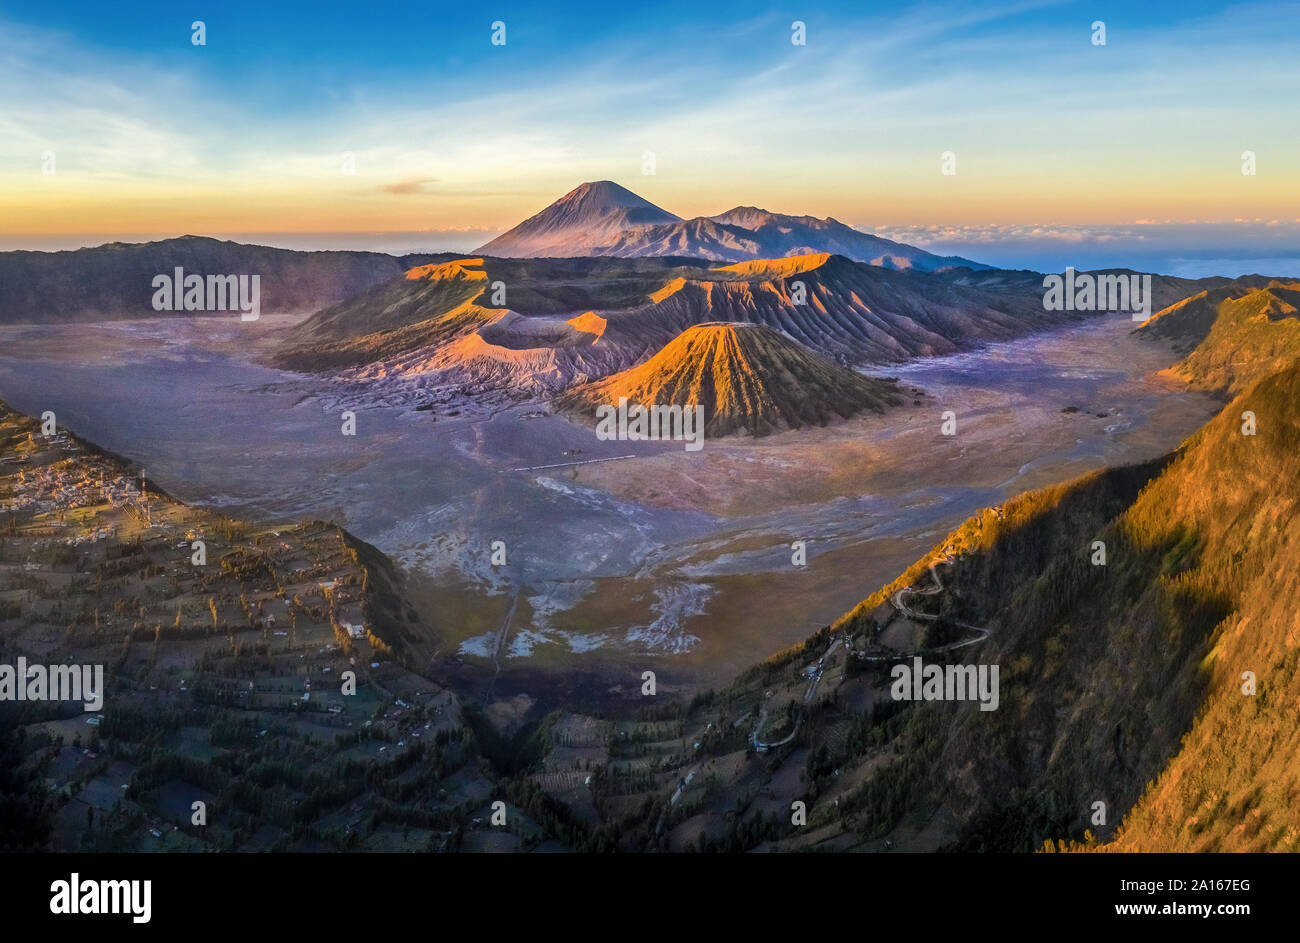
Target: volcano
x,y
583,219
748,377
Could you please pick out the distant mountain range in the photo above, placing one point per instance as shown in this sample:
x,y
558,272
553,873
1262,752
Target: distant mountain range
x,y
603,282
588,228
603,218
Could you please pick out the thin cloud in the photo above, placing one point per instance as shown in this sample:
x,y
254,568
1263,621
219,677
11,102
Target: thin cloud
x,y
407,187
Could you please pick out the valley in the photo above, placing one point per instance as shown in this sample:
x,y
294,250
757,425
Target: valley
x,y
681,560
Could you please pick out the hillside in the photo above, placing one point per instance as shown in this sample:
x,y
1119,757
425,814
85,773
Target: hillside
x,y
747,377
220,674
1114,676
394,318
1118,675
1231,336
116,280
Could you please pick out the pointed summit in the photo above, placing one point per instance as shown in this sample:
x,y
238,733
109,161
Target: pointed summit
x,y
582,220
604,196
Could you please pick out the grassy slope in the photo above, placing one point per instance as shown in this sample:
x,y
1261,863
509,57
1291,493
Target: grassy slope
x,y
1252,337
1232,338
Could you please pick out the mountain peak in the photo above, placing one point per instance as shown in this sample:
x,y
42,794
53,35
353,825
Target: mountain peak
x,y
586,218
604,193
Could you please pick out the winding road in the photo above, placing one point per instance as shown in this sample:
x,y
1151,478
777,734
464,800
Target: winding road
x,y
897,600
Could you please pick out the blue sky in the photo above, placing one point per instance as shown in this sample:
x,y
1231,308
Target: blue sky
x,y
455,138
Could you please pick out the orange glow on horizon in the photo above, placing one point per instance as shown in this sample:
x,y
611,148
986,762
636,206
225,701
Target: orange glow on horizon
x,y
66,205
